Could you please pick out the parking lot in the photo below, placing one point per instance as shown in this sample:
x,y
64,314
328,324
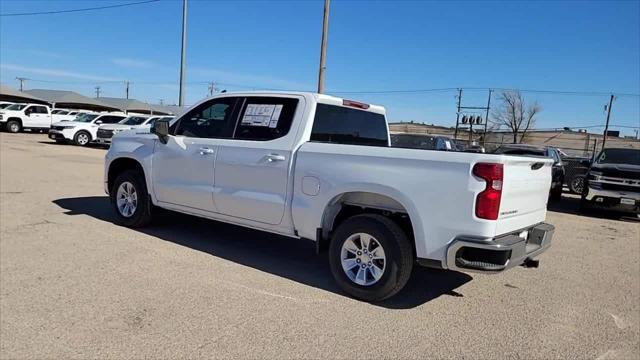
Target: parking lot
x,y
73,285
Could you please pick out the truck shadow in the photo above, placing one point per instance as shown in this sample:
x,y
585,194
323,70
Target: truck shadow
x,y
570,204
279,255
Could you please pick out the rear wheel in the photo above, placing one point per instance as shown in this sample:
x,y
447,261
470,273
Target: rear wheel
x,y
82,138
130,199
370,257
13,126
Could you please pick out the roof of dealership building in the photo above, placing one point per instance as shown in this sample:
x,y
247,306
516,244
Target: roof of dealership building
x,y
9,94
70,99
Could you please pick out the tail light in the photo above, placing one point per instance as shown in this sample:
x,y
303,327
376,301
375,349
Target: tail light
x,y
488,201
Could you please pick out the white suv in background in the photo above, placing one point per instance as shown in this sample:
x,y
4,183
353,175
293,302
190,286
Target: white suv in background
x,y
83,129
106,132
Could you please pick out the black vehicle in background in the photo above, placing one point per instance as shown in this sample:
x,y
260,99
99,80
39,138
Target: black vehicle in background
x,y
557,174
424,142
575,168
613,181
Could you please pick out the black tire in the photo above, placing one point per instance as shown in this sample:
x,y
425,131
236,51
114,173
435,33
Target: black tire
x,y
142,214
576,185
13,126
398,253
79,138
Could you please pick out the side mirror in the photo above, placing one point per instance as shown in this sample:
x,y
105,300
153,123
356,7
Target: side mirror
x,y
161,129
98,122
585,163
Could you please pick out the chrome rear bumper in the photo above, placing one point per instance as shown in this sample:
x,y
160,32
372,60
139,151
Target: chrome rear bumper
x,y
501,253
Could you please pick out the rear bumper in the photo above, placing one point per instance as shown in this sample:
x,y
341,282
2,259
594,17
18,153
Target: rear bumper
x,y
501,253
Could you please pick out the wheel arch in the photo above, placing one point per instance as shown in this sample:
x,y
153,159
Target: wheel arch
x,y
119,165
350,203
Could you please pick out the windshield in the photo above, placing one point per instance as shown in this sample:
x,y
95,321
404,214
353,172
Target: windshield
x,y
619,156
133,120
16,107
86,118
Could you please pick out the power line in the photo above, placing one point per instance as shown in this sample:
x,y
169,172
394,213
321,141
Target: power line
x,y
558,92
398,91
79,10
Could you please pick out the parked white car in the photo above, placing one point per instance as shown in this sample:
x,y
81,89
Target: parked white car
x,y
17,117
83,129
106,132
318,167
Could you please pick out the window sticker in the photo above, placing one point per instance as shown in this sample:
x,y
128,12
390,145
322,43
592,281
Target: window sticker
x,y
273,123
262,115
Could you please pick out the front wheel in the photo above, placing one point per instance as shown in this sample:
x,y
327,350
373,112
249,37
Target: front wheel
x,y
576,185
130,199
370,257
13,126
82,138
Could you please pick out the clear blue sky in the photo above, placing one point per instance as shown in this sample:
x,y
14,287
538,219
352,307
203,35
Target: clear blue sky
x,y
383,45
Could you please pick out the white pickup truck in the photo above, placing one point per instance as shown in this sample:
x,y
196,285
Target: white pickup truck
x,y
317,167
16,117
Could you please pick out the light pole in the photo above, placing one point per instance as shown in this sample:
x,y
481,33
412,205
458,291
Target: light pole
x,y
182,52
323,47
606,126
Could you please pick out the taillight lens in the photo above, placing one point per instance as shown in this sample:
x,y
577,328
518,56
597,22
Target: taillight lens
x,y
488,201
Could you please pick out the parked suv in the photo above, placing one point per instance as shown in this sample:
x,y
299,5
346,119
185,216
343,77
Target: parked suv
x,y
107,131
558,172
613,181
83,129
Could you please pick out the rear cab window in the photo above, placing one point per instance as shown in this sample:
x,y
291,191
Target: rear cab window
x,y
344,125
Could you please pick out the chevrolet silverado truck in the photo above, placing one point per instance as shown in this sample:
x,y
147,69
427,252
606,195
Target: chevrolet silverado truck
x,y
613,182
17,117
317,167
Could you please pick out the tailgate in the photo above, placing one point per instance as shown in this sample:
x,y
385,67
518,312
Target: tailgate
x,y
525,192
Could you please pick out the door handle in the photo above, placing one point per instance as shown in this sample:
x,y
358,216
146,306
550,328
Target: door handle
x,y
206,151
275,157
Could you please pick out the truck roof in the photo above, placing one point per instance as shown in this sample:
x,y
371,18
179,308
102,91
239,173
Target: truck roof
x,y
320,98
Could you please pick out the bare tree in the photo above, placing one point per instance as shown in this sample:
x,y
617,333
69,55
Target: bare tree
x,y
514,113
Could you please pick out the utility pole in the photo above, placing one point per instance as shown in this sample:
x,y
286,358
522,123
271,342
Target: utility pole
x,y
22,80
606,126
126,83
161,101
486,119
97,91
182,52
212,88
455,134
323,47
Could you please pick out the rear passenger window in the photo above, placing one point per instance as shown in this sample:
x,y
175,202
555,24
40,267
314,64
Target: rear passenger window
x,y
265,118
342,125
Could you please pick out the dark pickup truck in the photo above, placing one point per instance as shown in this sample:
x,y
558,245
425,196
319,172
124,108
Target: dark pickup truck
x,y
613,181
